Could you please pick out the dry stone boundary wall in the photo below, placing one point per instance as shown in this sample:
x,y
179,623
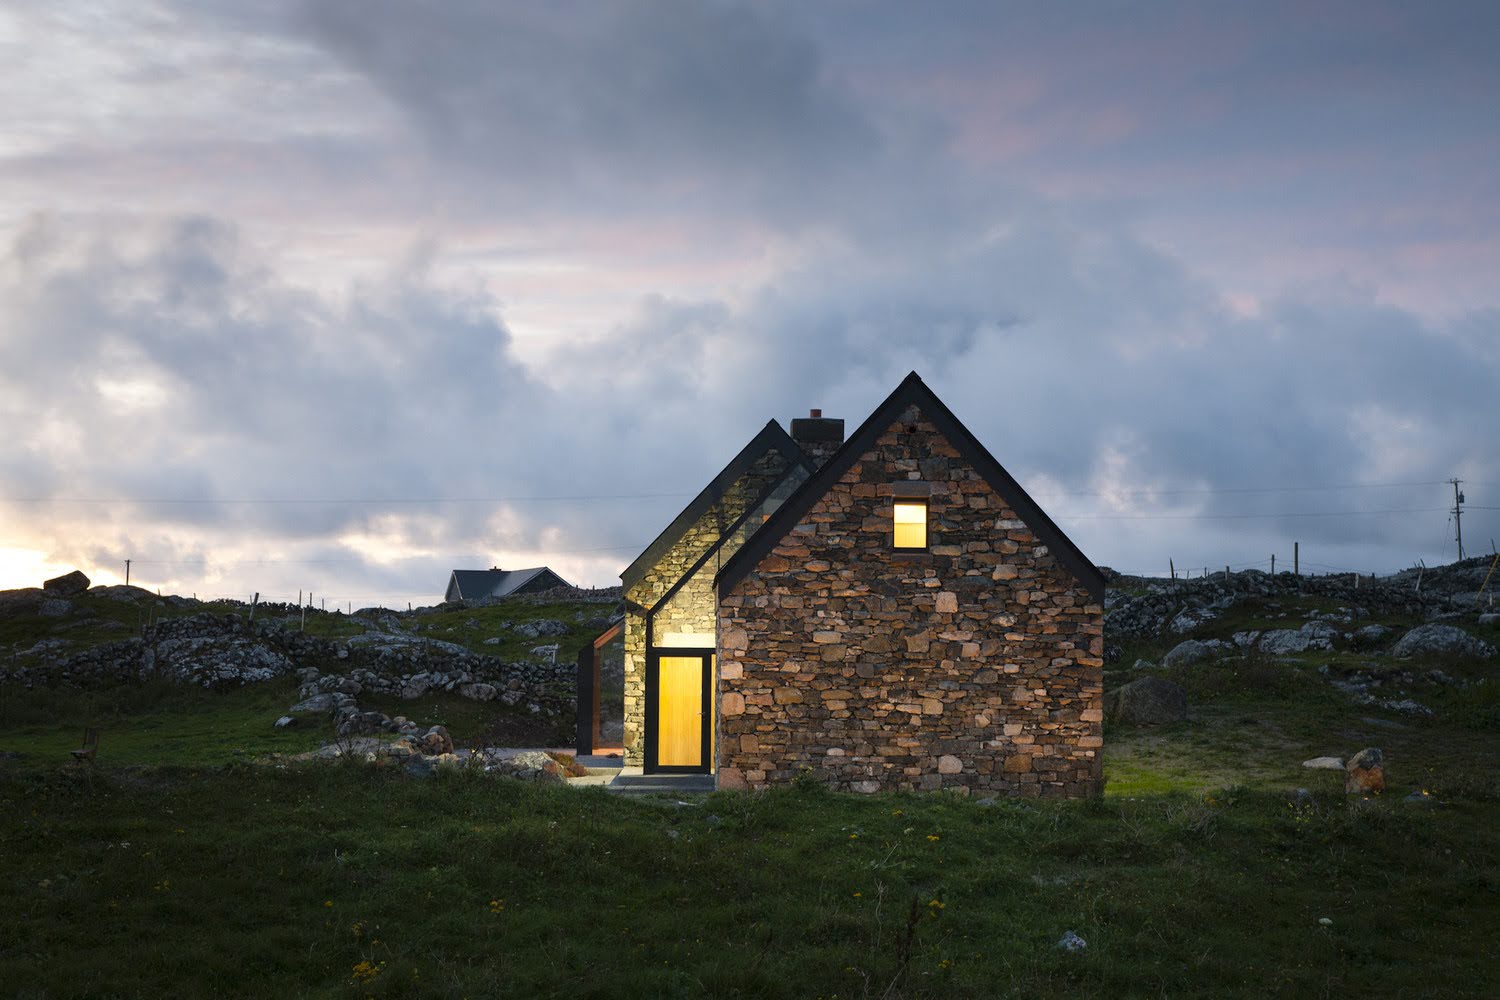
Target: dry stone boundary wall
x,y
224,651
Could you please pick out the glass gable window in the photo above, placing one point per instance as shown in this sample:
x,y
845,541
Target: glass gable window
x,y
909,520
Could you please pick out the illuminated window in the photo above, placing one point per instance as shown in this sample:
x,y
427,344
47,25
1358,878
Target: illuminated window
x,y
910,524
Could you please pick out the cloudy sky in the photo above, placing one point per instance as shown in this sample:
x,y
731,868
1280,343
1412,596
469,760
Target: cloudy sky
x,y
342,295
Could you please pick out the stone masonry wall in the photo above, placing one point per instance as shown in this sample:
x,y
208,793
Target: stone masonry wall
x,y
692,610
976,666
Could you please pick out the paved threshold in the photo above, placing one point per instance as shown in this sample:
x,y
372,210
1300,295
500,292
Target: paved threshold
x,y
630,781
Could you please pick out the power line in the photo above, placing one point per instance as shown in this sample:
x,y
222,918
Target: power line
x,y
206,561
1235,517
1216,490
578,498
344,501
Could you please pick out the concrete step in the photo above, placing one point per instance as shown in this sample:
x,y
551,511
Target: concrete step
x,y
671,784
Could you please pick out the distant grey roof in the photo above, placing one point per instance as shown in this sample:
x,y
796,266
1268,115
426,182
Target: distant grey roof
x,y
475,584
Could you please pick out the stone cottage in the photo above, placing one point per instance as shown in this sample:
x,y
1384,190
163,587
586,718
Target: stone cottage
x,y
887,612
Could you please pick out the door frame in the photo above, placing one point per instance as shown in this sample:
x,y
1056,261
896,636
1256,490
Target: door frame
x,y
653,693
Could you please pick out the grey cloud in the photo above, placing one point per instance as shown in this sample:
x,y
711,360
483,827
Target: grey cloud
x,y
247,385
637,103
1063,347
1059,347
167,355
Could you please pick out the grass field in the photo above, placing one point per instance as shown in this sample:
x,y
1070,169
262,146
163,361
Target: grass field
x,y
192,860
1192,876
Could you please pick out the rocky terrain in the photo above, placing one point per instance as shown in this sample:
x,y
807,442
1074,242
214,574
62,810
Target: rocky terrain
x,y
1381,641
81,637
1403,643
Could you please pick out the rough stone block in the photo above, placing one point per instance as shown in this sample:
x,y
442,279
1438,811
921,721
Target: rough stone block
x,y
1018,764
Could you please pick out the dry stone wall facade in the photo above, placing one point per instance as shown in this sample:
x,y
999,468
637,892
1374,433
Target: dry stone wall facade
x,y
975,666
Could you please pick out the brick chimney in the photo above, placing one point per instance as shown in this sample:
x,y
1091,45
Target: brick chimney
x,y
818,436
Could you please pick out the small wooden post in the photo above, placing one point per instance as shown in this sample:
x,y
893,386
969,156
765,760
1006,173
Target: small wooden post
x,y
299,597
1296,559
1493,563
304,617
253,602
1422,569
1273,564
1172,567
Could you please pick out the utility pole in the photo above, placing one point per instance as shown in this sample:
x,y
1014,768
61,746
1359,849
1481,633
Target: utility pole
x,y
1458,513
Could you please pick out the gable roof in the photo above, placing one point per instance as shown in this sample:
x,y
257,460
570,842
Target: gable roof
x,y
913,391
770,438
475,584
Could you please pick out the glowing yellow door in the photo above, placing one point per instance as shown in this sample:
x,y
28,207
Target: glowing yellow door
x,y
679,711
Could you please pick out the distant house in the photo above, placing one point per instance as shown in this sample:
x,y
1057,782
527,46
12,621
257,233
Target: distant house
x,y
888,612
478,584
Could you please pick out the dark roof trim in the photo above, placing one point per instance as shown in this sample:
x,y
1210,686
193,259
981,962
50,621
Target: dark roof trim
x,y
771,437
912,391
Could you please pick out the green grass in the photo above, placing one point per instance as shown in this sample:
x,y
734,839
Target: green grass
x,y
203,874
174,725
157,723
259,881
1192,876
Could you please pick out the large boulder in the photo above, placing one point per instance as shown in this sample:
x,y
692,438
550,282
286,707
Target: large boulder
x,y
540,628
67,585
1370,636
1285,641
528,765
1149,701
436,741
1189,619
329,702
1191,651
401,642
1440,639
1365,772
479,691
20,603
